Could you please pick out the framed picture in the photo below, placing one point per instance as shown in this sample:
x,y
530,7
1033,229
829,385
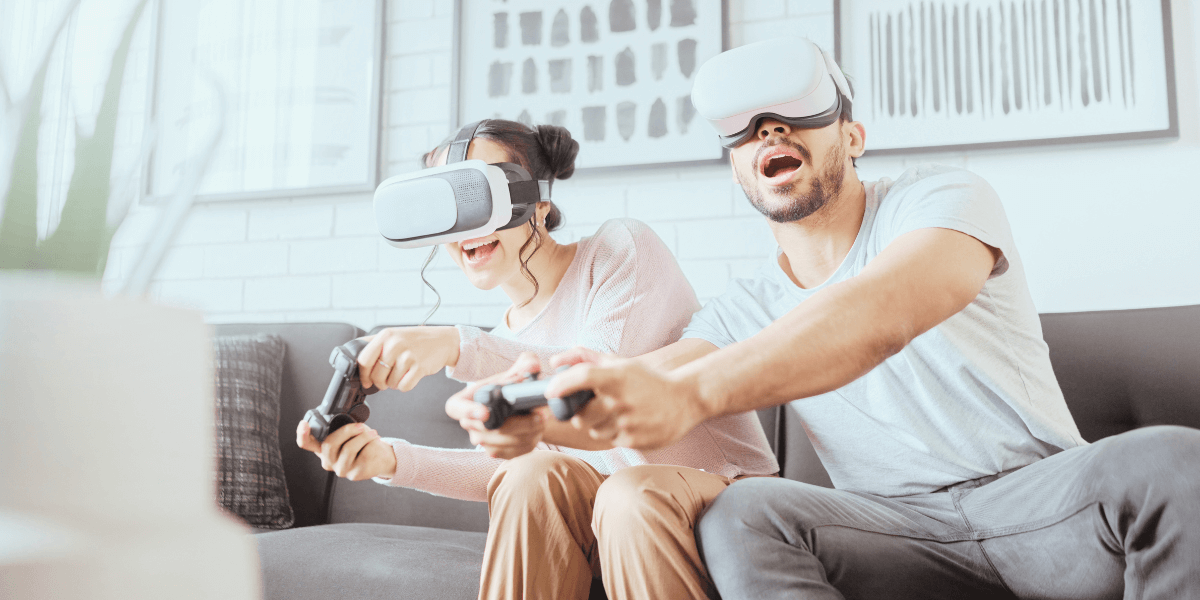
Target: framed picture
x,y
299,81
937,75
617,73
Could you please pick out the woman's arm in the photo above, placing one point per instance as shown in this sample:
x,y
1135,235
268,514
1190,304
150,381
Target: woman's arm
x,y
356,452
454,473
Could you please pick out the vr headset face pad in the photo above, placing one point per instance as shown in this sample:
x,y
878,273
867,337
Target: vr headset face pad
x,y
789,79
456,202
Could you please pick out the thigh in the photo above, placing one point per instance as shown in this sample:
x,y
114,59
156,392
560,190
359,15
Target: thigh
x,y
688,490
547,473
1064,527
866,546
1044,529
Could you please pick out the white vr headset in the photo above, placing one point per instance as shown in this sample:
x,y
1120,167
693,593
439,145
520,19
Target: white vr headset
x,y
789,79
463,200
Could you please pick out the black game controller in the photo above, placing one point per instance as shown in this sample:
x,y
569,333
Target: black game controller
x,y
504,401
346,400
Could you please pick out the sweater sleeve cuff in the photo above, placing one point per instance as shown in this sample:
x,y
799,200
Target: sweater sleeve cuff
x,y
465,369
406,464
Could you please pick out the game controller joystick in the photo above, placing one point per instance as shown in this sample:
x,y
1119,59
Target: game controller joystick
x,y
346,400
504,401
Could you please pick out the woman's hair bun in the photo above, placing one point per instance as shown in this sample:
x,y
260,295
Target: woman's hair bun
x,y
559,148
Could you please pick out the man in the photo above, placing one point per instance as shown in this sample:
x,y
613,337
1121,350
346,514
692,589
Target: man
x,y
897,321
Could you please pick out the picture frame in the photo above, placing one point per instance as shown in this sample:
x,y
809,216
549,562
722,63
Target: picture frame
x,y
1073,74
310,129
622,87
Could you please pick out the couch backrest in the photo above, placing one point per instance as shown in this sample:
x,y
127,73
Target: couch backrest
x,y
1119,370
1124,369
306,375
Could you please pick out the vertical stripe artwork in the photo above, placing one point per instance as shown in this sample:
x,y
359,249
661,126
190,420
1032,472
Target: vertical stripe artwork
x,y
960,73
991,59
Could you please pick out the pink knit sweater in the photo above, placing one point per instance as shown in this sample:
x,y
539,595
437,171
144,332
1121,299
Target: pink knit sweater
x,y
623,294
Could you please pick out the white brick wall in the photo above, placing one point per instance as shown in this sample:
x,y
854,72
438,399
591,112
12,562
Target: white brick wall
x,y
319,259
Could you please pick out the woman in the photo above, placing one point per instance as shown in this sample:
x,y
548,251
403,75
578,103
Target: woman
x,y
619,291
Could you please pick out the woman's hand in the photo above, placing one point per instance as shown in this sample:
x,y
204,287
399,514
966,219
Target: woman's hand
x,y
354,451
398,357
519,434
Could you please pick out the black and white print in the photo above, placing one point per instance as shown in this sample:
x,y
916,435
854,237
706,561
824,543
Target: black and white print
x,y
617,73
988,72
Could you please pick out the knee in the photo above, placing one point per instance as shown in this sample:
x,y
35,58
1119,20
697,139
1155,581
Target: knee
x,y
631,498
523,478
1162,457
735,511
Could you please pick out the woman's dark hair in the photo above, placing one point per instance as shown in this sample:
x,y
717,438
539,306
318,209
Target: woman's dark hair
x,y
547,152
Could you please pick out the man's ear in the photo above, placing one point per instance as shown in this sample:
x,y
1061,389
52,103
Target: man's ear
x,y
855,137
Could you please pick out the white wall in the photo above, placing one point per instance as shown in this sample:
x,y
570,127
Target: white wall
x,y
1099,227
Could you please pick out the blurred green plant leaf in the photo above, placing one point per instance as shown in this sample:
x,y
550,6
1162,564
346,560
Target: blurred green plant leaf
x,y
18,227
81,241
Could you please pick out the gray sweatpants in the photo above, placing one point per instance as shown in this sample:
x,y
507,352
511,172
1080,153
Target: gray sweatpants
x,y
1117,519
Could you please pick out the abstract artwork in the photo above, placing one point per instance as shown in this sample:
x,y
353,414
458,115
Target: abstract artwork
x,y
617,73
991,73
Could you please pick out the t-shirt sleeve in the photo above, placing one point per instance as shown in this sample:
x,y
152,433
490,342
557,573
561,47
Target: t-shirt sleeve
x,y
732,316
947,198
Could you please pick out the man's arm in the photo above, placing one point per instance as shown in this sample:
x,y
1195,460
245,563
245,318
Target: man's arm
x,y
921,279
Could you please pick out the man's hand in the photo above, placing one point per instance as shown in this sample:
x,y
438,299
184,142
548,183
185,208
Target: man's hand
x,y
519,434
635,406
354,451
398,357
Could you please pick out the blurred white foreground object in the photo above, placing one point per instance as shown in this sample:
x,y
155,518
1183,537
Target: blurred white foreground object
x,y
107,488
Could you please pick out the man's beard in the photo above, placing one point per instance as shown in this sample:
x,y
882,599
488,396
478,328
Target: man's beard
x,y
825,187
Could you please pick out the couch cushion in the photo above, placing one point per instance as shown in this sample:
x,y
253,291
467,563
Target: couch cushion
x,y
250,477
306,375
370,561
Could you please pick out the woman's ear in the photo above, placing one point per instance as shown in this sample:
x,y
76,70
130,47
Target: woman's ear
x,y
539,213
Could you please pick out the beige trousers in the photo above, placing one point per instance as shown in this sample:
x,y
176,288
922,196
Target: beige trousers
x,y
557,523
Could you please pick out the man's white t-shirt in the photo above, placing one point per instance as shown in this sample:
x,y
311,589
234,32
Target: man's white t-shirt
x,y
971,397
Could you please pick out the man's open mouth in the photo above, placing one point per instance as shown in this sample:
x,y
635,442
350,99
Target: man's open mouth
x,y
780,166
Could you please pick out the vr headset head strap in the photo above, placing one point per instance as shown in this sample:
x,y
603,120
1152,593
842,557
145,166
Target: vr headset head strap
x,y
462,141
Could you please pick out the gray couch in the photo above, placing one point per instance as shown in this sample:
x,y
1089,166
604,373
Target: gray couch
x,y
1118,369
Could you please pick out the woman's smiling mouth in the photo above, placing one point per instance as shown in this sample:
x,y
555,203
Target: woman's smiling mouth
x,y
478,251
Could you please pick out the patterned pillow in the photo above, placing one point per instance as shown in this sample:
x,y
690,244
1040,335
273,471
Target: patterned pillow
x,y
250,481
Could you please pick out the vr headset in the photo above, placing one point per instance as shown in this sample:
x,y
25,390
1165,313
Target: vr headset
x,y
789,79
462,200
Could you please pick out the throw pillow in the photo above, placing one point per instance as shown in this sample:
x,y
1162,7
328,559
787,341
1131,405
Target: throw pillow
x,y
250,480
